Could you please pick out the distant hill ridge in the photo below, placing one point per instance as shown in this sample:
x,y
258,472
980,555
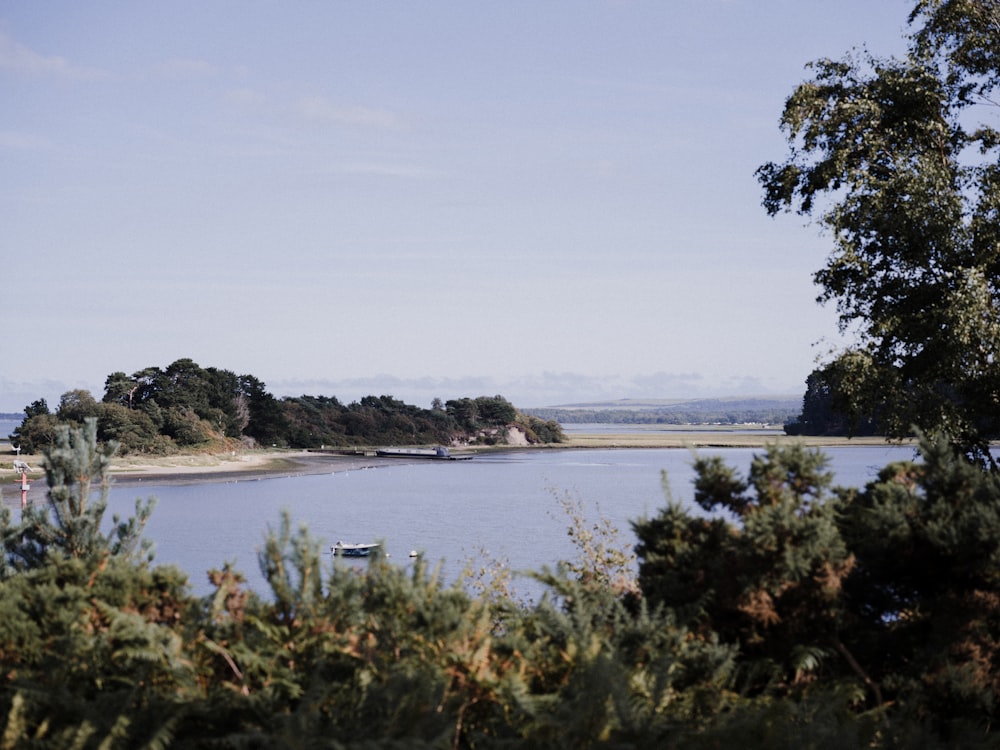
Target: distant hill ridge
x,y
793,401
722,410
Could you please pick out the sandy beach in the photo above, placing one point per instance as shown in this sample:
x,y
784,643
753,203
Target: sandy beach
x,y
136,471
245,465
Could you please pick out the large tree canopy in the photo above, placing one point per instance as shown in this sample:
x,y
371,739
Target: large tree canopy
x,y
897,159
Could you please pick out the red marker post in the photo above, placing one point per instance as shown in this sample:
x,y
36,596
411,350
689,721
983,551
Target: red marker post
x,y
24,489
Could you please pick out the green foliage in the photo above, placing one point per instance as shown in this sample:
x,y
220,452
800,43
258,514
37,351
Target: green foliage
x,y
92,655
187,406
769,585
828,409
36,408
603,558
38,428
887,154
36,433
314,421
478,414
795,614
884,596
90,636
319,420
396,656
538,430
927,540
71,523
133,430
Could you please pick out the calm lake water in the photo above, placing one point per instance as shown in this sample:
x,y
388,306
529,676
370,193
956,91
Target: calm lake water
x,y
7,426
499,507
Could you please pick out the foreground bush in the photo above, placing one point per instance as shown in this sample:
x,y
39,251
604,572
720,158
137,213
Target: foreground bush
x,y
811,618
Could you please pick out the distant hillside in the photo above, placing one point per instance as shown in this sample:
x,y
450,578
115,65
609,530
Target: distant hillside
x,y
732,410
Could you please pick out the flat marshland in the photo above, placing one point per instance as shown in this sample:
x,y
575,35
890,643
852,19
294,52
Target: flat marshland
x,y
702,438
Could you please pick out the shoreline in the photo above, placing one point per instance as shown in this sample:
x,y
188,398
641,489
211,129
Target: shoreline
x,y
274,464
248,467
255,465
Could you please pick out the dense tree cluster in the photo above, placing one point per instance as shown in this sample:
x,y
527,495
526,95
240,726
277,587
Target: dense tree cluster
x,y
825,409
801,616
159,410
899,160
184,405
876,608
315,421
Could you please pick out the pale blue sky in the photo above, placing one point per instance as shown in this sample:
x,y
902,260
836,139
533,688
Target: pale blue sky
x,y
553,201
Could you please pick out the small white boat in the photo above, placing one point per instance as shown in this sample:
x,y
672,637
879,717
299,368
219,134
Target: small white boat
x,y
352,550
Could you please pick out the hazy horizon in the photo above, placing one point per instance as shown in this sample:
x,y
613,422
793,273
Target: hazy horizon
x,y
548,390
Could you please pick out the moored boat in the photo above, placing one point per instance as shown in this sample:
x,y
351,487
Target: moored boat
x,y
440,453
340,549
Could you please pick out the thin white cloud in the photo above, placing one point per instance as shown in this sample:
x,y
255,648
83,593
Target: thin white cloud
x,y
245,97
19,58
186,68
10,139
322,109
384,170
